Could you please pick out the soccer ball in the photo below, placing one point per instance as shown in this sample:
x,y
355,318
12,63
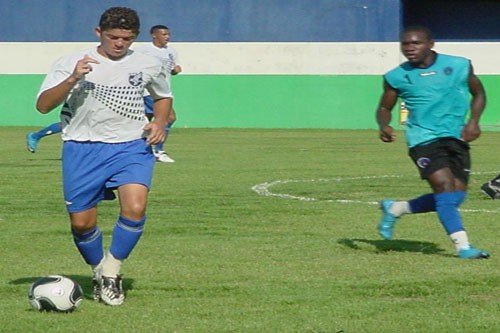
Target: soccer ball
x,y
55,293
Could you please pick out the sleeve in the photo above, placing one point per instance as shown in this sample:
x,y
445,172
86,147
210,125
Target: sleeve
x,y
394,78
159,86
57,73
386,80
175,57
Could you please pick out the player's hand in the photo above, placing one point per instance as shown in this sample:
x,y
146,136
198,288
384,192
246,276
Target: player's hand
x,y
156,132
83,66
387,134
176,69
470,132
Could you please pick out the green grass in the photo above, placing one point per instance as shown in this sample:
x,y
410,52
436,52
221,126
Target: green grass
x,y
218,257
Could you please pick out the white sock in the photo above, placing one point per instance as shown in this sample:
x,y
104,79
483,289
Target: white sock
x,y
97,267
111,266
460,239
400,207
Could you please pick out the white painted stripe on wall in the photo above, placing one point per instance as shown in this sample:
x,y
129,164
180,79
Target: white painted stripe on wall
x,y
484,56
34,58
261,58
288,58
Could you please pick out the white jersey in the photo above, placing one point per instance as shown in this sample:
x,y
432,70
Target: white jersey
x,y
107,104
167,55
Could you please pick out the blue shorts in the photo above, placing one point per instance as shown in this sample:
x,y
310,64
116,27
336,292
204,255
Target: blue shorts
x,y
148,104
92,170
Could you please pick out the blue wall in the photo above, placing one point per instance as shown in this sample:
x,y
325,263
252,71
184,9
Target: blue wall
x,y
209,20
461,20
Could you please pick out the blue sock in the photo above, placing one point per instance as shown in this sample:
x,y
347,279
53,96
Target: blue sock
x,y
423,204
447,209
90,245
159,147
168,127
126,234
49,130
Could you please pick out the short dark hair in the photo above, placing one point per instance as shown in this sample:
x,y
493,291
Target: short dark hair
x,y
157,27
419,28
120,18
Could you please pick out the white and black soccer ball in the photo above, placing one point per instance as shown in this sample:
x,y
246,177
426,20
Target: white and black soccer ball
x,y
55,293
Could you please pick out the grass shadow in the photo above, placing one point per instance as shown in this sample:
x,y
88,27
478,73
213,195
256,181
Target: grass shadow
x,y
399,245
85,281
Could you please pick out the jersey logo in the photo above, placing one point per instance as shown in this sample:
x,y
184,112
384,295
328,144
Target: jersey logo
x,y
135,79
448,71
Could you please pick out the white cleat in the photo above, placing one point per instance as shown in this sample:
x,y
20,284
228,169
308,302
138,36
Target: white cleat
x,y
112,290
162,156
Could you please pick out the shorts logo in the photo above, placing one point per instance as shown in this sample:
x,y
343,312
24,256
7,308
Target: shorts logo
x,y
423,162
135,79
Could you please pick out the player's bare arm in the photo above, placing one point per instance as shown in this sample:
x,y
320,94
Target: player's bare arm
x,y
384,116
472,130
156,128
51,98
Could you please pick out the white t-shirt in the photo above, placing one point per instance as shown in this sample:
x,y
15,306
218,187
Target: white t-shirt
x,y
107,104
167,55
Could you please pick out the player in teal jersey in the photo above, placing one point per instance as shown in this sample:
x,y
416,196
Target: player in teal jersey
x,y
437,90
492,188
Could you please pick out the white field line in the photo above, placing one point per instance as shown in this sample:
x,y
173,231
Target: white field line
x,y
264,190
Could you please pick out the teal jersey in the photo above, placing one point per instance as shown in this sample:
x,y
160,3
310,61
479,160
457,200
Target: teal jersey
x,y
437,97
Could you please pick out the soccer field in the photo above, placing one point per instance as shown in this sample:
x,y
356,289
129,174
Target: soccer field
x,y
259,231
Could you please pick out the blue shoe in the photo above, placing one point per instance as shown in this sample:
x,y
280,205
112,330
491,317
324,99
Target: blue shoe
x,y
31,142
470,252
385,228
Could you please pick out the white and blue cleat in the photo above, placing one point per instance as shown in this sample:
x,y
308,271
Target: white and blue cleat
x,y
386,225
31,142
470,252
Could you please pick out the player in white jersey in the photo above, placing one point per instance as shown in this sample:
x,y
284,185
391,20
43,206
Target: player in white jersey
x,y
159,48
107,140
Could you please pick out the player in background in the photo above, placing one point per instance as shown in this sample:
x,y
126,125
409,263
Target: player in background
x,y
107,141
492,188
436,88
160,37
32,138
